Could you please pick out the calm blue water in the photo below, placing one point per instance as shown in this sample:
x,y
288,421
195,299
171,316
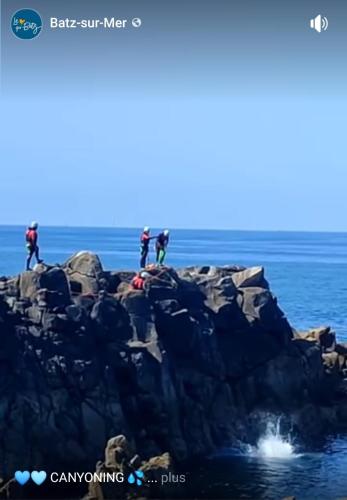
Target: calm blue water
x,y
307,271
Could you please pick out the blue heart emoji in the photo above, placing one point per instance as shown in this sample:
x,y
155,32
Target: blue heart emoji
x,y
22,477
38,477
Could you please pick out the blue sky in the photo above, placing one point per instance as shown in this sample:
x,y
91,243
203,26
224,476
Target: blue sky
x,y
239,129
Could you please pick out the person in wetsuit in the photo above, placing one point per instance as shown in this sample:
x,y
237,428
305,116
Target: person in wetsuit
x,y
161,246
31,237
145,239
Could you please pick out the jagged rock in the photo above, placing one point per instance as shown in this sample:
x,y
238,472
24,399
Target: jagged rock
x,y
52,280
18,306
120,458
219,292
123,287
141,315
252,277
124,276
334,361
85,263
110,319
177,367
163,285
35,314
10,287
341,349
55,281
29,285
177,331
290,379
75,313
113,281
261,310
117,453
325,337
85,273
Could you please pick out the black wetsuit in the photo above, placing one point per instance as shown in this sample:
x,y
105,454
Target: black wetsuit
x,y
32,246
145,239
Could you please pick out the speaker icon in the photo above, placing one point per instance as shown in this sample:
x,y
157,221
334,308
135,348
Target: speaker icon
x,y
319,23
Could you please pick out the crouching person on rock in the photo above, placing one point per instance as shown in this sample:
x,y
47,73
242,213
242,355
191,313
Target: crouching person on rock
x,y
139,281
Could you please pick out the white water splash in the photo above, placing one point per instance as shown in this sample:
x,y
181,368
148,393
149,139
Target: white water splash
x,y
274,445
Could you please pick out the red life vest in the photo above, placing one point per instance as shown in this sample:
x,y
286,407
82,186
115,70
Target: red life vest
x,y
31,237
145,237
138,283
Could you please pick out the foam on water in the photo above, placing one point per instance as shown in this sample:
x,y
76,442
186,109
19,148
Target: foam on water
x,y
273,444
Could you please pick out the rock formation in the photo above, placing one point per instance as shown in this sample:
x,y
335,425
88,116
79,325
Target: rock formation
x,y
182,367
120,458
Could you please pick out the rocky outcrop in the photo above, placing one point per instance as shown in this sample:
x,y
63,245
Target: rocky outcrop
x,y
121,459
181,367
85,273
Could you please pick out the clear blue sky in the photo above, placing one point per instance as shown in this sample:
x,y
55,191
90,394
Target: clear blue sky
x,y
229,116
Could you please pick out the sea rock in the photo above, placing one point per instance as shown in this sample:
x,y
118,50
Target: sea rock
x,y
120,458
52,280
323,335
110,319
29,285
252,277
219,292
260,309
141,315
178,368
85,273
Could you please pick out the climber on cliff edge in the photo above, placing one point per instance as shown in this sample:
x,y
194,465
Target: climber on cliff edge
x,y
161,246
31,237
145,239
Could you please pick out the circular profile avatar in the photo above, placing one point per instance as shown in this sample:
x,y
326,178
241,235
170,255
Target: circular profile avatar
x,y
26,24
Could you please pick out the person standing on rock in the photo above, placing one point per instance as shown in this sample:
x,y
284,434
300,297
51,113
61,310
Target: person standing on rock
x,y
31,237
145,239
161,246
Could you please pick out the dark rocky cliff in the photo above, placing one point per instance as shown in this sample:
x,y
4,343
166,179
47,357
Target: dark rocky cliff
x,y
183,367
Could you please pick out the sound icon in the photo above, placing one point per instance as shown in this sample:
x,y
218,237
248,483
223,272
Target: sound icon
x,y
319,23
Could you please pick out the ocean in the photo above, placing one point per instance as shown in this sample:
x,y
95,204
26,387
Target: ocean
x,y
307,271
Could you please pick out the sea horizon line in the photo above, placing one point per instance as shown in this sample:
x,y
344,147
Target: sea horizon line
x,y
176,228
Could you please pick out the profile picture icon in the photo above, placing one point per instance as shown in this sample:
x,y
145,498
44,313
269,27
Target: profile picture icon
x,y
26,24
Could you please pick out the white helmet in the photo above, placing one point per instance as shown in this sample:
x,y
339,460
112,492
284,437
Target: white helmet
x,y
166,232
34,225
146,229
